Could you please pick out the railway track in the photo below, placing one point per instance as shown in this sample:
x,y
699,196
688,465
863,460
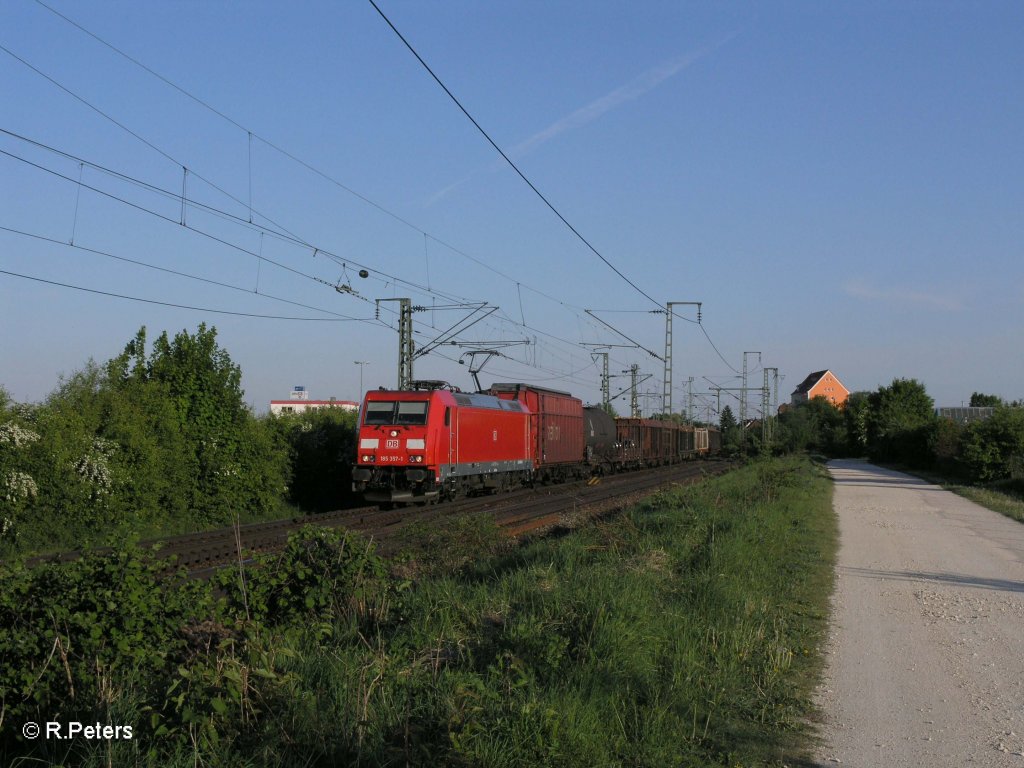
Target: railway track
x,y
518,513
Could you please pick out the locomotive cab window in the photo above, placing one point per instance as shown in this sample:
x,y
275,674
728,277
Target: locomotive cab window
x,y
386,412
379,413
412,413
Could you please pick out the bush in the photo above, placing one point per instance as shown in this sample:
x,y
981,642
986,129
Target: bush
x,y
138,445
992,448
322,447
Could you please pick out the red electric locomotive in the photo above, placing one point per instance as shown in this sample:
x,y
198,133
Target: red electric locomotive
x,y
434,442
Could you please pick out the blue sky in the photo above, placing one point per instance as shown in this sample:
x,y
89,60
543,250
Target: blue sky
x,y
840,184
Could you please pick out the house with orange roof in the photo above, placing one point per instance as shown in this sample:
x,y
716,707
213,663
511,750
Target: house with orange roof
x,y
821,384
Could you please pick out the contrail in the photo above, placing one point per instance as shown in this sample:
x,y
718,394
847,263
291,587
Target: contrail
x,y
634,89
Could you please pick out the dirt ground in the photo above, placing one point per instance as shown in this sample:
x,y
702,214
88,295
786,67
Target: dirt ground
x,y
925,660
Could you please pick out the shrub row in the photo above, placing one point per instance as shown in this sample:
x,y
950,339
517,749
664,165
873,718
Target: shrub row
x,y
159,443
682,633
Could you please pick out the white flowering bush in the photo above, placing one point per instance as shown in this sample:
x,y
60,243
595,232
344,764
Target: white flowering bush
x,y
19,487
17,490
94,467
18,437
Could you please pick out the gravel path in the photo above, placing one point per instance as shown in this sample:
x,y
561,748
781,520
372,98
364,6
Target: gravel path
x,y
925,660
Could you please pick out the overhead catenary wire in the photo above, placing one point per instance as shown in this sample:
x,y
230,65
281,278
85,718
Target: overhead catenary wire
x,y
294,158
181,306
205,207
284,237
179,273
508,160
216,212
161,216
281,231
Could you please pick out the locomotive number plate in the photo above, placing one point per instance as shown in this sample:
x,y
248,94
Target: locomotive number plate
x,y
386,459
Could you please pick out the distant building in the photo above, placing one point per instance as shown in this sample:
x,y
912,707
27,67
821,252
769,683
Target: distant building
x,y
299,402
964,415
821,384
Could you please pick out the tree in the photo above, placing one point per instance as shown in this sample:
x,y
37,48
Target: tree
x,y
898,422
726,420
322,445
143,443
856,414
979,400
732,433
229,463
993,448
816,425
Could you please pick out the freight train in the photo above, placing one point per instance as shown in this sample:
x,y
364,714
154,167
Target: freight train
x,y
434,442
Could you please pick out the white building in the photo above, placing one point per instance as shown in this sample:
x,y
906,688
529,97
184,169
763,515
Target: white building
x,y
299,402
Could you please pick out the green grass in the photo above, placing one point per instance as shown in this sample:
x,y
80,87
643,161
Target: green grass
x,y
685,632
1005,497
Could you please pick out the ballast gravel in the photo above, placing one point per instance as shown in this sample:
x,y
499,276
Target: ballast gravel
x,y
925,658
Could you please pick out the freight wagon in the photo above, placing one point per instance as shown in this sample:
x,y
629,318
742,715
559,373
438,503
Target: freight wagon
x,y
556,424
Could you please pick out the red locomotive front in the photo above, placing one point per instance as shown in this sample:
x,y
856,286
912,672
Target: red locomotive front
x,y
419,446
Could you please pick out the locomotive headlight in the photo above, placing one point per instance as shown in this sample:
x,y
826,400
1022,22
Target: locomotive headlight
x,y
394,433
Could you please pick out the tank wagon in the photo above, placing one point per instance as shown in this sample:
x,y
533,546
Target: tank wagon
x,y
435,442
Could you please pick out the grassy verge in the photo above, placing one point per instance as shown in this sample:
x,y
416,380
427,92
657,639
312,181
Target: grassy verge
x,y
1003,496
684,632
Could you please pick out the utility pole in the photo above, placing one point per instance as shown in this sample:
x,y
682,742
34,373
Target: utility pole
x,y
606,395
689,400
361,363
406,346
773,403
765,405
743,396
666,402
634,405
601,348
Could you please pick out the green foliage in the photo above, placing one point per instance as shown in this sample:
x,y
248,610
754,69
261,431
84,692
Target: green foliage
x,y
322,445
899,421
980,400
732,433
993,448
856,414
76,638
140,444
726,420
945,445
815,426
897,424
321,575
68,630
682,633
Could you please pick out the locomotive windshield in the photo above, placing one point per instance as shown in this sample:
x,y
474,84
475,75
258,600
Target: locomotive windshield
x,y
389,412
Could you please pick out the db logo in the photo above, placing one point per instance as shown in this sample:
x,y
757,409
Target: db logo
x,y
390,443
495,435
